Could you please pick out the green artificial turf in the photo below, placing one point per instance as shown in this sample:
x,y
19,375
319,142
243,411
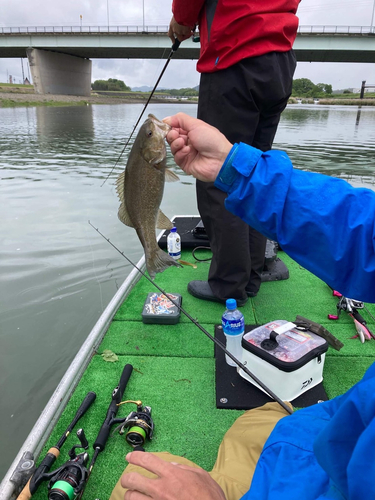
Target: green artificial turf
x,y
174,368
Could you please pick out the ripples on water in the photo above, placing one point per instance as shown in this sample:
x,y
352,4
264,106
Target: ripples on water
x,y
57,275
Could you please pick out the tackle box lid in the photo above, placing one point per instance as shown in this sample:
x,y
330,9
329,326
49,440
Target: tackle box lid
x,y
283,345
159,309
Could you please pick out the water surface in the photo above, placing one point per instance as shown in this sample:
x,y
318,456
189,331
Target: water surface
x,y
57,274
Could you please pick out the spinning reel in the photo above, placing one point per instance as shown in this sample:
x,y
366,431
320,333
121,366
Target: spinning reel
x,y
138,424
66,482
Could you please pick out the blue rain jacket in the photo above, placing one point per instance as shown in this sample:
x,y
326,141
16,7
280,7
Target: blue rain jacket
x,y
322,222
325,451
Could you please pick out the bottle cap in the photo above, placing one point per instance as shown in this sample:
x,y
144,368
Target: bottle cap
x,y
174,229
231,304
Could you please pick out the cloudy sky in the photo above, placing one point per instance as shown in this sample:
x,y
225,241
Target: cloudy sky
x,y
158,12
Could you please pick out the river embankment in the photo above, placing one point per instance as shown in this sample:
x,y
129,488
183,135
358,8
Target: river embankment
x,y
25,96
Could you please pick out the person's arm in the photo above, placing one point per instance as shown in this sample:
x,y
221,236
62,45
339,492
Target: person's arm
x,y
185,17
173,482
322,222
187,12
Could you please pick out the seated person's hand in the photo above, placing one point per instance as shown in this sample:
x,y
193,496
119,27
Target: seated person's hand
x,y
174,481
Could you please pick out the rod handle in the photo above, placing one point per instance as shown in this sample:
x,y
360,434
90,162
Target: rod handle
x,y
45,466
86,403
105,429
176,45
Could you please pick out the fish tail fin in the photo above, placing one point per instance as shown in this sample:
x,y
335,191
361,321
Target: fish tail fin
x,y
158,262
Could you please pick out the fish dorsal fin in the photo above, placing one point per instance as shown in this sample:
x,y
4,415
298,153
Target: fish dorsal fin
x,y
170,177
163,222
120,186
122,212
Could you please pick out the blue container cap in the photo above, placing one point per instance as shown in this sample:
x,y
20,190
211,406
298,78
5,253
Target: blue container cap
x,y
231,304
174,229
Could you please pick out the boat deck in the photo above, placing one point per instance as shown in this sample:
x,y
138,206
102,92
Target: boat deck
x,y
174,368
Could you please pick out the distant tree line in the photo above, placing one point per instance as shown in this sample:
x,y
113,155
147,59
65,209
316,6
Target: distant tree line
x,y
303,87
111,84
183,92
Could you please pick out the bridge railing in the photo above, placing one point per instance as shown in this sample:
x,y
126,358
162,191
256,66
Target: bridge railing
x,y
303,30
330,29
84,29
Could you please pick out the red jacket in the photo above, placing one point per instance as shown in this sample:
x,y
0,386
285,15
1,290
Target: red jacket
x,y
239,29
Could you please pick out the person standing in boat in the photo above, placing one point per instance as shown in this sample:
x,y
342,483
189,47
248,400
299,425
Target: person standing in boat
x,y
247,65
322,452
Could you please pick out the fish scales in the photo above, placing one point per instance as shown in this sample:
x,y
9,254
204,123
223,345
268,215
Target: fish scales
x,y
140,189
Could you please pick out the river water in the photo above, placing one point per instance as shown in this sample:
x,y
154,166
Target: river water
x,y
57,274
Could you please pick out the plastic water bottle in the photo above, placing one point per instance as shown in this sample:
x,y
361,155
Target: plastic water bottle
x,y
233,323
174,244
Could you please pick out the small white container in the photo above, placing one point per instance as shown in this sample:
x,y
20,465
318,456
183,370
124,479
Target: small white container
x,y
174,244
292,367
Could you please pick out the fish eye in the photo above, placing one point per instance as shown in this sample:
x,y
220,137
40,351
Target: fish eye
x,y
149,133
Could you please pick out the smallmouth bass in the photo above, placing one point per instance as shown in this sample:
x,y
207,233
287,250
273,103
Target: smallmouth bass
x,y
140,189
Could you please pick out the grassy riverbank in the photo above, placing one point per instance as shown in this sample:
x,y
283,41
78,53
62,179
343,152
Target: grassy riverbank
x,y
12,95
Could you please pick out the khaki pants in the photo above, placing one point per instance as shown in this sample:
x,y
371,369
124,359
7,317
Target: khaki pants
x,y
238,452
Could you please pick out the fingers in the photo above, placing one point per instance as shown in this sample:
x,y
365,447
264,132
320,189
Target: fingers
x,y
176,142
182,121
148,461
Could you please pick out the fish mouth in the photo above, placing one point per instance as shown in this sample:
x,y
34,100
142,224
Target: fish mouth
x,y
164,128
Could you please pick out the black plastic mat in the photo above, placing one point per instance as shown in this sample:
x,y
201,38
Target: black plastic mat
x,y
185,227
235,393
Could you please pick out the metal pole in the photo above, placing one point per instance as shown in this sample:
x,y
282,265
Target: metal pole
x,y
362,89
107,15
143,3
23,74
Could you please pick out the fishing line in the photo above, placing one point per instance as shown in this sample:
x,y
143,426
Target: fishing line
x,y
196,323
173,50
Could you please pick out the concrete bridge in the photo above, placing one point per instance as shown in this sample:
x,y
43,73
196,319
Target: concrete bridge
x,y
59,56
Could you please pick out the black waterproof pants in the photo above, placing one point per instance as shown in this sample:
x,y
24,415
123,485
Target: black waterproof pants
x,y
244,102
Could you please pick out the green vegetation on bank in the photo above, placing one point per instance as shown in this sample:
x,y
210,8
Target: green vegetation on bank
x,y
111,84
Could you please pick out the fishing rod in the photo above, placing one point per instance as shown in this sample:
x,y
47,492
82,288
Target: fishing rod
x,y
105,429
173,50
38,476
196,323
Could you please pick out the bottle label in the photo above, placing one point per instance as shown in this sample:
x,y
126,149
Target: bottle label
x,y
174,247
233,326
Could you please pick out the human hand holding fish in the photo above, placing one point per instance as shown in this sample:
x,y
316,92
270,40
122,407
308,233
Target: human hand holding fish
x,y
198,148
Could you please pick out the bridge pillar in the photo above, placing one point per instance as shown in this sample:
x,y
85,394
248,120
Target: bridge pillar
x,y
57,73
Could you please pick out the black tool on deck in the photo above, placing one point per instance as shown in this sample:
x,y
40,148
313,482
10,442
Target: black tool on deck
x,y
40,473
216,341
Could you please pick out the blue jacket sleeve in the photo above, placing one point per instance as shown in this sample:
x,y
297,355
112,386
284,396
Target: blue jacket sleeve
x,y
323,452
322,222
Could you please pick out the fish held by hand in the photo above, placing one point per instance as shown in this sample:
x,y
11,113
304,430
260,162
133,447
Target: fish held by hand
x,y
140,189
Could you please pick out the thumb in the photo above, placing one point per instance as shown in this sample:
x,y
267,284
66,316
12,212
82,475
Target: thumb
x,y
182,121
